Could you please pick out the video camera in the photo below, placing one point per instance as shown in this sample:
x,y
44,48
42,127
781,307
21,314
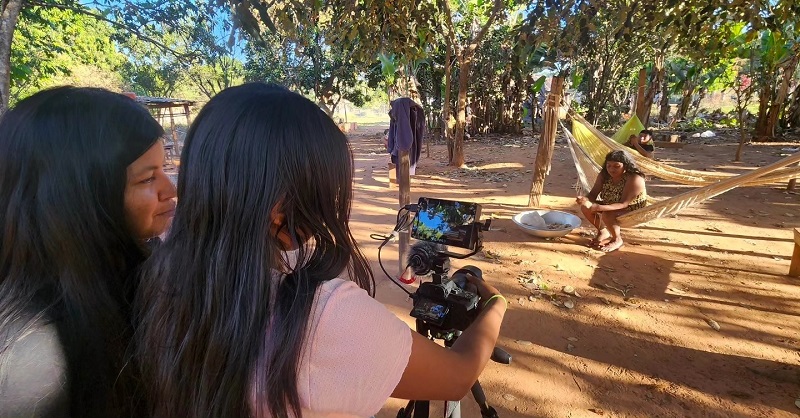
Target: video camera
x,y
445,305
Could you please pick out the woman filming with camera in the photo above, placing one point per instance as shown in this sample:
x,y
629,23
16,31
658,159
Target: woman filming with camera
x,y
243,310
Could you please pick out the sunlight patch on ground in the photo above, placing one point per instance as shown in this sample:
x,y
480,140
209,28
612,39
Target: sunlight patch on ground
x,y
495,166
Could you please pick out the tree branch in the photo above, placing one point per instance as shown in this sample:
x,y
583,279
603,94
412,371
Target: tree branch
x,y
116,24
498,6
448,22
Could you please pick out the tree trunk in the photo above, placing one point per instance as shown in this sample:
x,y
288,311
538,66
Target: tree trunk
x,y
640,90
686,101
436,113
767,128
547,142
791,118
663,114
701,94
448,70
464,64
591,84
764,96
742,140
8,23
656,78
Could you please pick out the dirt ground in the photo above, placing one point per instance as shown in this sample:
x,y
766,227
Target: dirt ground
x,y
652,353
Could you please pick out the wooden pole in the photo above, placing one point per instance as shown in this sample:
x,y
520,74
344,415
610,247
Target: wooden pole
x,y
172,127
639,109
794,268
187,113
547,141
428,148
792,183
404,181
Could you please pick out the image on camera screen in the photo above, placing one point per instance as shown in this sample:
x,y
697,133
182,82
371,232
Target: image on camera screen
x,y
445,222
430,311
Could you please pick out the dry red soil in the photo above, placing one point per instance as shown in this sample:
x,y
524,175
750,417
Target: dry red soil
x,y
651,352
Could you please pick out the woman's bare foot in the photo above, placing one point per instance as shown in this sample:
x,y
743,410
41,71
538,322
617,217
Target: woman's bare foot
x,y
602,238
612,246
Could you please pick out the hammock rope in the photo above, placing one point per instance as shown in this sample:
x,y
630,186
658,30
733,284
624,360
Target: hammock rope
x,y
588,169
597,145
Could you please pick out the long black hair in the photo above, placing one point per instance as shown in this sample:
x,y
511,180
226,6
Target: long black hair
x,y
619,156
218,323
66,254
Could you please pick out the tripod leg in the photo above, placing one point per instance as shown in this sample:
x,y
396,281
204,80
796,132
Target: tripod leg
x,y
422,409
452,409
480,397
407,411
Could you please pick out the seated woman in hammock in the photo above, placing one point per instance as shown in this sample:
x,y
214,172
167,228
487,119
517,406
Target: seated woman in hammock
x,y
619,189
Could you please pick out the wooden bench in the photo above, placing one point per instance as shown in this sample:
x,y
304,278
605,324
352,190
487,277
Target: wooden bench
x,y
794,269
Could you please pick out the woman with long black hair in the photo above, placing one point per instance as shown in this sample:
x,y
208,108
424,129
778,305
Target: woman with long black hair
x,y
82,190
618,189
244,311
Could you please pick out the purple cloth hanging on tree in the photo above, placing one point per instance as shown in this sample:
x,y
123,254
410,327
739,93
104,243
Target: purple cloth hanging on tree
x,y
406,129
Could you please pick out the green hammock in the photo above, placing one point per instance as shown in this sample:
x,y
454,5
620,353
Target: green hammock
x,y
632,127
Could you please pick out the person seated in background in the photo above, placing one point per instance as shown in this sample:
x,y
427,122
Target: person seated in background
x,y
643,144
619,189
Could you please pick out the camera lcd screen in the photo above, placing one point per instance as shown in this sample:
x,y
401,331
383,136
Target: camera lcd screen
x,y
446,222
430,311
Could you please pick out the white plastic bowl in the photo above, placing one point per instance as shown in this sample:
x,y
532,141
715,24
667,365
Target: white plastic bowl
x,y
550,217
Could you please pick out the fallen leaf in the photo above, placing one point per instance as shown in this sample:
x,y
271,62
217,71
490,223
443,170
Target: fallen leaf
x,y
713,324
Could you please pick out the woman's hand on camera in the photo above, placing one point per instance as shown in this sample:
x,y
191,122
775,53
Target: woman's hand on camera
x,y
485,290
436,373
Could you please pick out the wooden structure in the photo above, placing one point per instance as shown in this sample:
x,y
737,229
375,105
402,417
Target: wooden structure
x,y
794,269
404,198
547,142
161,108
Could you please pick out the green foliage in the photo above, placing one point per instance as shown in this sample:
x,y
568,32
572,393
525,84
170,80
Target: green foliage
x,y
149,71
388,67
50,45
363,29
193,45
695,124
308,65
